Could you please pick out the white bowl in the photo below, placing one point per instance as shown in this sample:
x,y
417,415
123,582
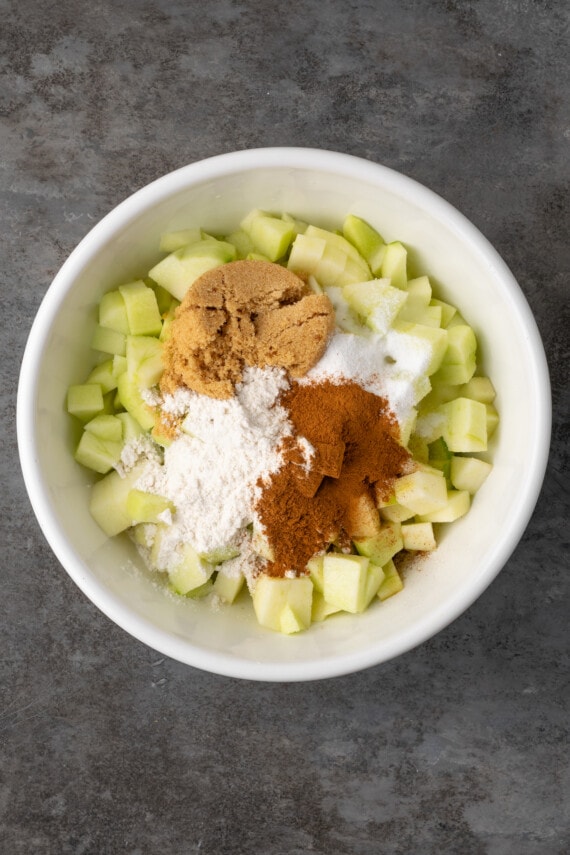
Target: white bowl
x,y
321,187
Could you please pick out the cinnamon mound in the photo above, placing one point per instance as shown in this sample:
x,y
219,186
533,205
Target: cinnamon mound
x,y
244,313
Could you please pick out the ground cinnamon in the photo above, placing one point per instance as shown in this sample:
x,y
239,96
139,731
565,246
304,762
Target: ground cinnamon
x,y
335,418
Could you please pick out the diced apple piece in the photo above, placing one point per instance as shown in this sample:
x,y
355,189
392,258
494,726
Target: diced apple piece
x,y
315,568
270,235
340,242
181,268
348,581
465,427
345,316
299,225
394,264
478,388
144,359
142,309
241,241
377,301
392,582
458,502
367,241
106,427
96,453
228,587
147,507
418,448
113,312
119,367
197,593
440,456
321,609
261,545
221,554
108,341
395,513
331,265
382,546
271,596
492,419
131,428
171,241
468,473
363,520
431,339
103,375
447,311
132,400
85,400
421,491
143,534
108,500
459,361
190,571
418,537
306,252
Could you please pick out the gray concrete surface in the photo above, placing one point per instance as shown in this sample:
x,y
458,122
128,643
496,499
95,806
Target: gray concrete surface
x,y
461,745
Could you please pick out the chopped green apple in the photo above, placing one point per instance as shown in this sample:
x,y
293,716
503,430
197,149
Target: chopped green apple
x,y
171,241
142,309
382,546
465,427
106,427
418,537
392,582
421,491
458,502
283,605
394,264
181,268
148,507
144,359
350,581
85,400
113,312
468,473
367,241
189,571
108,500
108,341
228,587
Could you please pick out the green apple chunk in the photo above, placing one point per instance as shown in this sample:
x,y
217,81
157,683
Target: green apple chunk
x,y
108,341
306,252
131,428
131,398
147,507
189,571
465,427
458,502
383,546
85,400
171,241
418,537
142,309
350,581
459,362
362,517
221,554
106,427
447,311
394,264
377,301
342,245
468,473
108,500
433,339
394,512
315,568
367,241
421,491
283,605
104,375
242,242
96,453
228,587
271,236
321,609
392,583
181,268
113,312
144,359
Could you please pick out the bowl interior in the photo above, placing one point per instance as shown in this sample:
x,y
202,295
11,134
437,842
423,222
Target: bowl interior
x,y
322,188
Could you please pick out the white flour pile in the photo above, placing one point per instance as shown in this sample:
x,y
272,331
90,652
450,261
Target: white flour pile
x,y
210,471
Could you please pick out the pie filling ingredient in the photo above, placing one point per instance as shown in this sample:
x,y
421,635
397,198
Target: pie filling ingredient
x,y
283,407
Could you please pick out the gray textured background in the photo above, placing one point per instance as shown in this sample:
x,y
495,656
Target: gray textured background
x,y
461,745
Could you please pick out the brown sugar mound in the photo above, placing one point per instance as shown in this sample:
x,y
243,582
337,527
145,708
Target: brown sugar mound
x,y
244,313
